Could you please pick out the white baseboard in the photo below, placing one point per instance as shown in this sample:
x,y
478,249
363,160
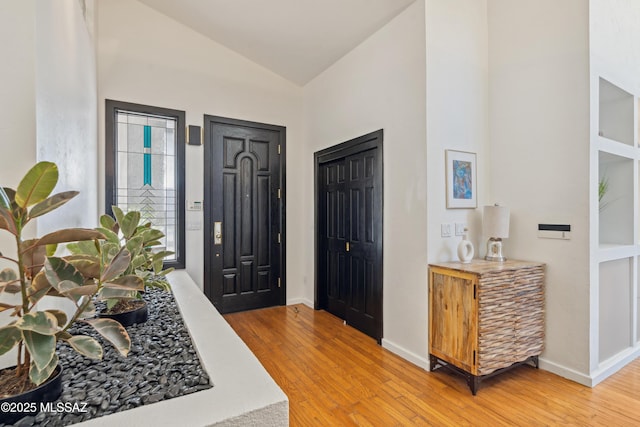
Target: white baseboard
x,y
304,301
604,371
565,372
406,354
614,364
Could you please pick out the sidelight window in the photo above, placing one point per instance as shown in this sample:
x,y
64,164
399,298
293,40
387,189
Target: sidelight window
x,y
144,169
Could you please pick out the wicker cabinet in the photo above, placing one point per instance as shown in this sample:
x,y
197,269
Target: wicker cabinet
x,y
485,317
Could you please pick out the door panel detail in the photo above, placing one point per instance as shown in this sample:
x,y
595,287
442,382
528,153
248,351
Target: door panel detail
x,y
349,232
243,176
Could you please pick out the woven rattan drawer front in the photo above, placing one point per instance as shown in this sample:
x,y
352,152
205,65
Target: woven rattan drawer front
x,y
510,317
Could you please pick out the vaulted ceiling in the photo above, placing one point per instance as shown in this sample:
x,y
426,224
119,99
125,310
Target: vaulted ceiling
x,y
297,39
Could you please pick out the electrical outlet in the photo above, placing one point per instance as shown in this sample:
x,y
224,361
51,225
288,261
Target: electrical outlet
x,y
460,228
445,230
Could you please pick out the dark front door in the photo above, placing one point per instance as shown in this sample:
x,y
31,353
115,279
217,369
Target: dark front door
x,y
349,232
243,210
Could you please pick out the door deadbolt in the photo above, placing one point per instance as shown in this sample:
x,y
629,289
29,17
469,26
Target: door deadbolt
x,y
217,233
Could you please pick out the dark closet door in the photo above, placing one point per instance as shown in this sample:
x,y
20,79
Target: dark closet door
x,y
349,232
244,230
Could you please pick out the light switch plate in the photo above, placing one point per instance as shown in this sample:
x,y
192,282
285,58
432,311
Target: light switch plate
x,y
460,228
445,230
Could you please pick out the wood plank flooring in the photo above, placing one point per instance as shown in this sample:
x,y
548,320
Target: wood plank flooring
x,y
336,376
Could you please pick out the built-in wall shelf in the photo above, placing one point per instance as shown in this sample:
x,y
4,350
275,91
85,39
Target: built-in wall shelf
x,y
610,252
616,207
616,148
616,154
616,115
615,308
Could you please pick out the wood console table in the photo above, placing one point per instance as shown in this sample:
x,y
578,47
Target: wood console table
x,y
485,317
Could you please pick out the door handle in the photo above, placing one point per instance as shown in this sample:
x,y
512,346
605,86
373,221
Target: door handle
x,y
217,233
347,246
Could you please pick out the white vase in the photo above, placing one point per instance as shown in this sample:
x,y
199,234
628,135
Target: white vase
x,y
465,250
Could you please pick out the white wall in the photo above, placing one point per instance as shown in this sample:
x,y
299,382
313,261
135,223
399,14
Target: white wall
x,y
17,109
539,127
66,110
457,114
614,31
17,98
146,58
381,84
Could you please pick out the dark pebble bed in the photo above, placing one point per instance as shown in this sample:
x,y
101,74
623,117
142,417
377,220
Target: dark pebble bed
x,y
162,364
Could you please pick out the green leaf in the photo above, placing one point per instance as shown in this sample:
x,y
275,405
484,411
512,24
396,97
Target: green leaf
x,y
83,248
110,235
58,269
130,223
66,288
37,375
60,316
111,302
37,184
52,203
8,275
114,332
9,337
39,287
51,249
117,266
86,346
5,201
109,250
89,311
41,322
167,271
70,235
118,214
161,255
41,347
129,283
63,335
108,222
138,262
88,266
119,293
151,235
134,245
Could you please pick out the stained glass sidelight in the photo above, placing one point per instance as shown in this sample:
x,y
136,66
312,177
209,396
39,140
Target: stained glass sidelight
x,y
146,169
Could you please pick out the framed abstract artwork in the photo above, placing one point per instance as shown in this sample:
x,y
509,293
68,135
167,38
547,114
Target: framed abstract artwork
x,y
461,180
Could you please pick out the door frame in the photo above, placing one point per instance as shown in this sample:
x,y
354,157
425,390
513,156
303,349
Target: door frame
x,y
353,146
210,120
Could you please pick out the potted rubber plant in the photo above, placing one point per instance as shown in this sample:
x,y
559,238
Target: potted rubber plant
x,y
124,231
36,273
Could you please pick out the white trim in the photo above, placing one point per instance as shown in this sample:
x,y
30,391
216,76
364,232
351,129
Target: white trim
x,y
409,356
565,372
305,301
613,365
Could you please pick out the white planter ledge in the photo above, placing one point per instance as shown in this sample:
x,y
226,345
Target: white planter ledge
x,y
243,393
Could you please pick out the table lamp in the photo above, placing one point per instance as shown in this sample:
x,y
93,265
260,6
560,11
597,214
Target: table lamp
x,y
495,225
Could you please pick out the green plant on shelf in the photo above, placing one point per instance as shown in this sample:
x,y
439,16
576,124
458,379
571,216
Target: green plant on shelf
x,y
603,187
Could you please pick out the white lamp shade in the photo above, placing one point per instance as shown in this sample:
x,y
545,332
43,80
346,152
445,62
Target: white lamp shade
x,y
495,221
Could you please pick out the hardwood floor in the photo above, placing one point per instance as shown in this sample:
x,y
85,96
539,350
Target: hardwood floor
x,y
336,376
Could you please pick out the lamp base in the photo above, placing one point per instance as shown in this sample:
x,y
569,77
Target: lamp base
x,y
494,250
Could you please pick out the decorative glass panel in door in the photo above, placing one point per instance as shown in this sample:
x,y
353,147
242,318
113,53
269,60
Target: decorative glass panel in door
x,y
145,168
